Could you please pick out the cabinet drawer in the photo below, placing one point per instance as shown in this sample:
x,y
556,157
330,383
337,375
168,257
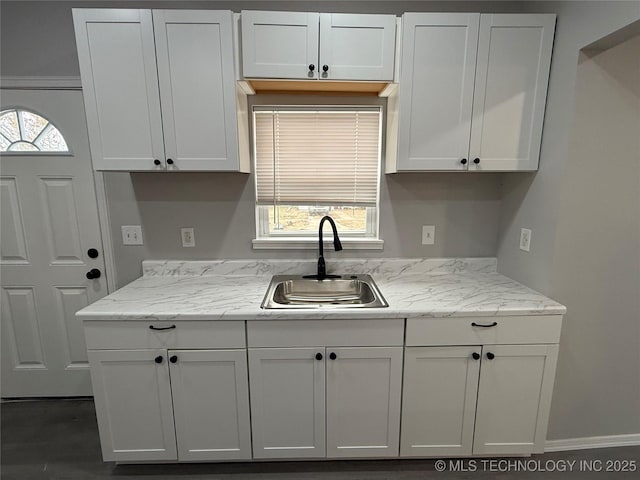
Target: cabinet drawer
x,y
337,333
469,330
178,334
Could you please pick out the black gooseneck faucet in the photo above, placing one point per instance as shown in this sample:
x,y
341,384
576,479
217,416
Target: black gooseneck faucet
x,y
337,245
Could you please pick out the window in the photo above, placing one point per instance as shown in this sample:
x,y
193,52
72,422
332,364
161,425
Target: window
x,y
316,161
24,131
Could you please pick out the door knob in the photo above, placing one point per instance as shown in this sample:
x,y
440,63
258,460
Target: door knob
x,y
318,356
312,67
475,355
476,161
333,356
173,358
157,162
93,274
158,359
325,68
93,253
463,161
169,161
490,356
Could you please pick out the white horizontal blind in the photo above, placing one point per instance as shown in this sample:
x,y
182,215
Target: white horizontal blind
x,y
317,157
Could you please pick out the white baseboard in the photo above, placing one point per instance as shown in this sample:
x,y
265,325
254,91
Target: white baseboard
x,y
40,83
606,441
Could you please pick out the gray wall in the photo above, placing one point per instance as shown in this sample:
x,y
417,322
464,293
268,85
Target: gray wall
x,y
596,268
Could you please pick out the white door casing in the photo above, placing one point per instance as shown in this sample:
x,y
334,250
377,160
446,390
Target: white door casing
x,y
287,402
49,222
439,401
363,401
211,404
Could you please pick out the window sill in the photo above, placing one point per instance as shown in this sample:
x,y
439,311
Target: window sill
x,y
312,244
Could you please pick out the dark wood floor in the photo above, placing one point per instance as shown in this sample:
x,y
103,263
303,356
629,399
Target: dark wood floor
x,y
58,439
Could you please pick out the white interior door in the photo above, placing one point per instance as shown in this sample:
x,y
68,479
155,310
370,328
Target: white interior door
x,y
49,222
439,401
211,404
436,90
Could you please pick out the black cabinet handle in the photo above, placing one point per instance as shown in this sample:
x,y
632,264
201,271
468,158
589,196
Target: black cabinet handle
x,y
157,162
93,253
312,67
173,358
490,356
476,161
463,161
475,355
169,161
158,359
325,68
318,356
333,356
151,327
474,324
93,274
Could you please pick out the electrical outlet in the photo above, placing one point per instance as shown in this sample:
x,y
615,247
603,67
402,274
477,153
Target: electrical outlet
x,y
525,239
428,234
188,237
132,235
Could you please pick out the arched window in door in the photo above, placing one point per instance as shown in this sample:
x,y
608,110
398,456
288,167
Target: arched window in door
x,y
25,131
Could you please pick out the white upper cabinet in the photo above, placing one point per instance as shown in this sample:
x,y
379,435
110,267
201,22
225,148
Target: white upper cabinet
x,y
327,46
160,90
472,92
357,47
280,44
120,84
438,70
514,56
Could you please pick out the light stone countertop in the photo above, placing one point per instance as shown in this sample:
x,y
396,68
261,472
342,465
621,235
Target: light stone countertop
x,y
234,290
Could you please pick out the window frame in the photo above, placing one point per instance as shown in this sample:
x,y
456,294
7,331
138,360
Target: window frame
x,y
368,240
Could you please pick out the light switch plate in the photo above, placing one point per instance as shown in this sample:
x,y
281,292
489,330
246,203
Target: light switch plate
x,y
428,234
132,235
188,237
525,239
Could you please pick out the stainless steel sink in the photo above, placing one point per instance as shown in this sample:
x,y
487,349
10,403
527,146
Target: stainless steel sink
x,y
348,291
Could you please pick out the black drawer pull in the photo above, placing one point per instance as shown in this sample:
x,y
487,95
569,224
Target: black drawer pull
x,y
474,324
151,327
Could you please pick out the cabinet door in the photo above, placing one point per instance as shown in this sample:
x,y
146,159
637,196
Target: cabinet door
x,y
514,55
514,396
280,44
287,402
197,88
363,401
120,86
439,401
357,47
436,90
211,404
132,394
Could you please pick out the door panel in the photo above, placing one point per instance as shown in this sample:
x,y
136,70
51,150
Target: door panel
x,y
438,70
280,44
197,88
439,401
117,60
514,57
211,404
287,402
513,394
133,404
357,47
363,401
50,221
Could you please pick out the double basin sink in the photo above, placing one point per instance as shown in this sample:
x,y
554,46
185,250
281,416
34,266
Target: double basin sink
x,y
348,291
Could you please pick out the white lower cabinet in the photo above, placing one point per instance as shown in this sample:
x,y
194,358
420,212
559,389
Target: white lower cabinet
x,y
362,387
168,405
480,400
